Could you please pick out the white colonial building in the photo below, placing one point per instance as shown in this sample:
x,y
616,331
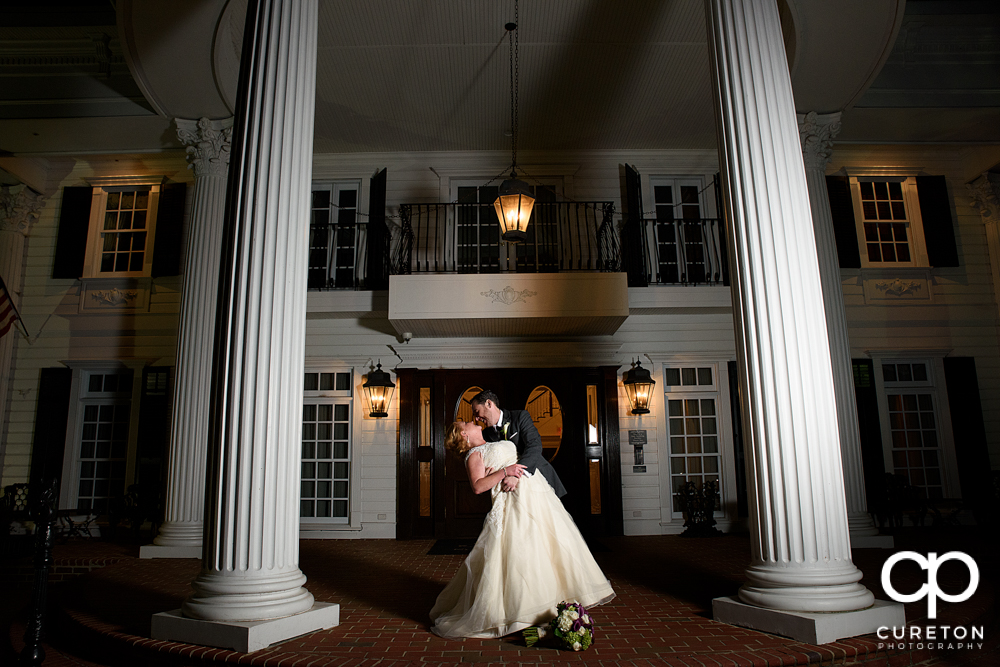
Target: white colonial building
x,y
785,211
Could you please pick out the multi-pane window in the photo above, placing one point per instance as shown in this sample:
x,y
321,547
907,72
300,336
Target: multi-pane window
x,y
326,447
335,237
104,435
916,451
681,236
478,234
887,214
693,426
122,226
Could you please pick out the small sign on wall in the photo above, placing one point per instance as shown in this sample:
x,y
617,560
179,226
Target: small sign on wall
x,y
637,438
638,468
638,441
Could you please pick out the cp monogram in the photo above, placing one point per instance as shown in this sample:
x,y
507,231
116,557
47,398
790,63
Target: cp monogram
x,y
930,590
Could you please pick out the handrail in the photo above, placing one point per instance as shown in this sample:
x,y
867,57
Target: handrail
x,y
465,238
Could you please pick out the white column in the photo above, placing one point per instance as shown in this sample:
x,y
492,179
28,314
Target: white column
x,y
816,133
250,583
801,555
208,144
19,209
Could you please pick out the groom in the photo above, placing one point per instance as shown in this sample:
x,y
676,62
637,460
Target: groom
x,y
516,426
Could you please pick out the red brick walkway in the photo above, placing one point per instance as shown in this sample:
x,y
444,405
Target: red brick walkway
x,y
385,588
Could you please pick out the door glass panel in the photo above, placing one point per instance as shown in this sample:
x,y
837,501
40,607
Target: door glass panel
x,y
424,440
543,406
464,410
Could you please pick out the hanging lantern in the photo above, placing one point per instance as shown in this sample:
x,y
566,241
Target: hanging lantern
x,y
378,390
513,206
639,387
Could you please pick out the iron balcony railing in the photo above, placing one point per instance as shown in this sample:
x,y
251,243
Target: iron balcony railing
x,y
688,252
562,236
465,238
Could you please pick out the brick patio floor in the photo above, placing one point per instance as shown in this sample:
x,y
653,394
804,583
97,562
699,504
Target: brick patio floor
x,y
103,597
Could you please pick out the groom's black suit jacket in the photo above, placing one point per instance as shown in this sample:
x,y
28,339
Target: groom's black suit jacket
x,y
522,432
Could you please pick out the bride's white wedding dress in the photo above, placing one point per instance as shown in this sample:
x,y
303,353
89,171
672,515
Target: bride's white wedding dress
x,y
529,557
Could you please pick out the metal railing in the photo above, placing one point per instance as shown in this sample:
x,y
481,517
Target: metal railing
x,y
465,238
350,256
687,252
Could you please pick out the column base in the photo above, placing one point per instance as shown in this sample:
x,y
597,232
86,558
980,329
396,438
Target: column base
x,y
157,551
808,627
243,636
872,542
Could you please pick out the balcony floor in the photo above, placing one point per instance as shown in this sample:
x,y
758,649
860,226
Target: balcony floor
x,y
661,616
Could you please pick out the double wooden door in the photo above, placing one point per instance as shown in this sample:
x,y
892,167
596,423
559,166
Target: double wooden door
x,y
435,498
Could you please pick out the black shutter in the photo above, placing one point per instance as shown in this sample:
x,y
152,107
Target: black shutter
x,y
51,414
74,224
378,235
736,411
967,425
169,230
633,249
153,437
870,432
844,229
935,211
720,210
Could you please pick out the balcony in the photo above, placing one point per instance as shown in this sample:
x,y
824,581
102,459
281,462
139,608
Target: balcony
x,y
449,274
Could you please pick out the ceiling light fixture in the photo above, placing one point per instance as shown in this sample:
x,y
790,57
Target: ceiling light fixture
x,y
514,202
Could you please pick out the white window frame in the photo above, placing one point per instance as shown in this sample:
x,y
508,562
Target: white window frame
x,y
935,385
79,398
671,521
335,187
675,182
336,397
915,227
95,234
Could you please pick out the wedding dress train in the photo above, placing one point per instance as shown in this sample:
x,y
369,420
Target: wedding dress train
x,y
529,557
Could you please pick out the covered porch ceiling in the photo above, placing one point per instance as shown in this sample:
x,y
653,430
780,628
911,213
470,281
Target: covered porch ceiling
x,y
434,76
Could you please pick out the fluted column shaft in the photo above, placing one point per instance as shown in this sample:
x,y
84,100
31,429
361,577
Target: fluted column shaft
x,y
251,541
816,133
19,209
208,148
801,558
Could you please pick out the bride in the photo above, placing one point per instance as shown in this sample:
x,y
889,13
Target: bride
x,y
529,557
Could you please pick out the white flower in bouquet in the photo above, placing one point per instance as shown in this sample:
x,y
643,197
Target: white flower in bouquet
x,y
577,646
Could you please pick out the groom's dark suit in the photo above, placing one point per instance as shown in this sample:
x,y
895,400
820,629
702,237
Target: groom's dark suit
x,y
522,432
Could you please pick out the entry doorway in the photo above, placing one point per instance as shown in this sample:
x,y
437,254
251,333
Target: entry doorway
x,y
576,411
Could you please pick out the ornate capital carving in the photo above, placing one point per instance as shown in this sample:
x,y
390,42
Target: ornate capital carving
x,y
986,196
208,143
19,208
816,132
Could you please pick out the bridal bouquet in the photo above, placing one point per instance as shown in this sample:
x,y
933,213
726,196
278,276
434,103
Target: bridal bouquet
x,y
572,627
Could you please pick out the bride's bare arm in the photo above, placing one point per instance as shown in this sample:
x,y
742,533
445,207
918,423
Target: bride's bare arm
x,y
482,480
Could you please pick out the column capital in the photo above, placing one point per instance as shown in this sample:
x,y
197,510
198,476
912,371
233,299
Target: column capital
x,y
816,132
985,192
19,208
208,143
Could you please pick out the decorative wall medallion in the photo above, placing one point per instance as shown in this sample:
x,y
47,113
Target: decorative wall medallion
x,y
898,287
509,295
114,297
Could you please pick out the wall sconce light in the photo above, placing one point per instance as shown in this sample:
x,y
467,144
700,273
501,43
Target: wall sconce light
x,y
378,390
639,387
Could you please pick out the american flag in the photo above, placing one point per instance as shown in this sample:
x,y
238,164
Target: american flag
x,y
8,313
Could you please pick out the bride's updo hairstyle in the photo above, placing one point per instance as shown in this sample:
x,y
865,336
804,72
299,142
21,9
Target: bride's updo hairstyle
x,y
454,440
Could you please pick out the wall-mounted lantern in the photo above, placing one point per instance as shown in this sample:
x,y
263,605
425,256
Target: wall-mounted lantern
x,y
378,390
639,387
